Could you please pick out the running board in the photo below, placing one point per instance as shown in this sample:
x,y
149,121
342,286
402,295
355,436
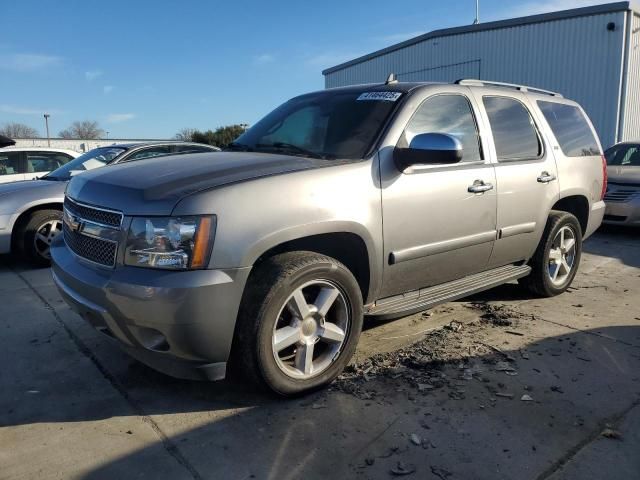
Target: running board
x,y
426,298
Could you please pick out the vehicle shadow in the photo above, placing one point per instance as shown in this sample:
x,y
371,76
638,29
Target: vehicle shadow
x,y
608,240
229,430
294,439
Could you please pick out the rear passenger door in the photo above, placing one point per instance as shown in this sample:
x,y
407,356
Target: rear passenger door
x,y
11,166
526,176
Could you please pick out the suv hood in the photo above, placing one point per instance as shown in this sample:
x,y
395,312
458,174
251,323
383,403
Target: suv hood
x,y
624,174
154,186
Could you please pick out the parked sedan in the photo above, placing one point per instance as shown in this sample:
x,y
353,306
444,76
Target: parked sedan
x,y
623,192
31,211
28,163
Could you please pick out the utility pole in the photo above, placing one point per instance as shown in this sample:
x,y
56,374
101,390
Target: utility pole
x,y
46,121
477,20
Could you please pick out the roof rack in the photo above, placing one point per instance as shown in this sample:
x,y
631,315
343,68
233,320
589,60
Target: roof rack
x,y
472,82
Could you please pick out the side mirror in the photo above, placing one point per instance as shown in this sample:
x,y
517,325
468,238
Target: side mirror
x,y
429,149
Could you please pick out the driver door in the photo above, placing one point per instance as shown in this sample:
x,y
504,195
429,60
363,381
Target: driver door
x,y
435,228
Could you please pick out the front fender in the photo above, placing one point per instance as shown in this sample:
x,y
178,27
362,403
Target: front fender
x,y
256,216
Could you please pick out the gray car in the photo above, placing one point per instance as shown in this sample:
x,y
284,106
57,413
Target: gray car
x,y
31,211
371,200
623,192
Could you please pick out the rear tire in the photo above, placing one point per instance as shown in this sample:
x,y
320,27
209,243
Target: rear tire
x,y
299,323
555,262
39,231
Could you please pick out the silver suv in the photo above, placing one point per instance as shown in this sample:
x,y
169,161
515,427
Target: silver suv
x,y
365,201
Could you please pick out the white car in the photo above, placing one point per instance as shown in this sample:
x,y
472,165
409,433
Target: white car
x,y
28,163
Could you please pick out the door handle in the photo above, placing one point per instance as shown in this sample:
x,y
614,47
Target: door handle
x,y
479,187
546,177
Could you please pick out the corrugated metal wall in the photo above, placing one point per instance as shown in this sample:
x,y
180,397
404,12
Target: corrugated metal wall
x,y
577,56
631,127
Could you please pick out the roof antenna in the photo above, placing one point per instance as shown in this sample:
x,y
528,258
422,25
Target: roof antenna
x,y
391,79
477,20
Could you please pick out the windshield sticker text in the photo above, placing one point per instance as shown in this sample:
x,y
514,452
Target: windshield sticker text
x,y
380,96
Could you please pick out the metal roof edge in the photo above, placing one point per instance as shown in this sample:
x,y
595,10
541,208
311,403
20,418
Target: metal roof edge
x,y
497,24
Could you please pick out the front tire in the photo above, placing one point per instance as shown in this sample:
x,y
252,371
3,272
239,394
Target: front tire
x,y
299,323
39,231
556,260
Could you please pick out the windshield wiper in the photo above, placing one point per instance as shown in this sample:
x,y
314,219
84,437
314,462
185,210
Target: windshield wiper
x,y
291,148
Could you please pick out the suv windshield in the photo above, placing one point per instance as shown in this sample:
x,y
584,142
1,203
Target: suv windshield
x,y
324,125
98,157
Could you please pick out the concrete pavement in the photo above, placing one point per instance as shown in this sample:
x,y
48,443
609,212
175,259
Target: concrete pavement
x,y
73,406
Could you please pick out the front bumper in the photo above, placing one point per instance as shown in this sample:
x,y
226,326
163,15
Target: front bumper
x,y
623,213
179,323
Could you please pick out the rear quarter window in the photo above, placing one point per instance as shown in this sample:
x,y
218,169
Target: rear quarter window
x,y
570,128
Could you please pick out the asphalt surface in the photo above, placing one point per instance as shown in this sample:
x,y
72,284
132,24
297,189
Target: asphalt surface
x,y
553,391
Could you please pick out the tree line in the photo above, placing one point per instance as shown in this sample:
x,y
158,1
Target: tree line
x,y
90,130
81,130
220,137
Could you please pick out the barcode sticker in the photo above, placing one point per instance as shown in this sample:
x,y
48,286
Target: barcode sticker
x,y
379,96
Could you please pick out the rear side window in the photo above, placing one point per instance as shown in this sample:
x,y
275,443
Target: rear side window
x,y
570,129
514,133
45,161
191,149
10,163
149,153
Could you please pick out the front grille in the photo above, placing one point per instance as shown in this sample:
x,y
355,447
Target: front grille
x,y
622,195
93,249
105,217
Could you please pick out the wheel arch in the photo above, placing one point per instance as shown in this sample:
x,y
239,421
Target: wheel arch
x,y
577,205
347,247
23,218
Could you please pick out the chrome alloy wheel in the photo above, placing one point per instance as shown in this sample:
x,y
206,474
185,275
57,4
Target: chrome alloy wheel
x,y
45,235
562,255
311,329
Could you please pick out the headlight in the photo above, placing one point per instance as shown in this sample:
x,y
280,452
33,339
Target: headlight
x,y
175,243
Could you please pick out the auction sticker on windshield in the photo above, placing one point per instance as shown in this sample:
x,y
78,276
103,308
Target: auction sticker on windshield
x,y
383,96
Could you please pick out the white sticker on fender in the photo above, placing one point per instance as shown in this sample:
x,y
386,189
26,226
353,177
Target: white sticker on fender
x,y
380,96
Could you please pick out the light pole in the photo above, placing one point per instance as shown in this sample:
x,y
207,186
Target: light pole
x,y
46,121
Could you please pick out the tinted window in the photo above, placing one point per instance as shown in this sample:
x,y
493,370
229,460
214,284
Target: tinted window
x,y
514,132
98,157
570,128
149,153
192,149
624,155
45,161
326,124
450,114
10,163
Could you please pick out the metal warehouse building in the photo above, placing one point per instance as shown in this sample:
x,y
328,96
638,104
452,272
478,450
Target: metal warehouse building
x,y
591,55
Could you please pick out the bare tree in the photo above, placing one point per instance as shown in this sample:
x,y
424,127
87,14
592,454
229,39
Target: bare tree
x,y
185,135
84,130
18,130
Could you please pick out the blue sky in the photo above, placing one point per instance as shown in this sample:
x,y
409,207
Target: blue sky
x,y
145,69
